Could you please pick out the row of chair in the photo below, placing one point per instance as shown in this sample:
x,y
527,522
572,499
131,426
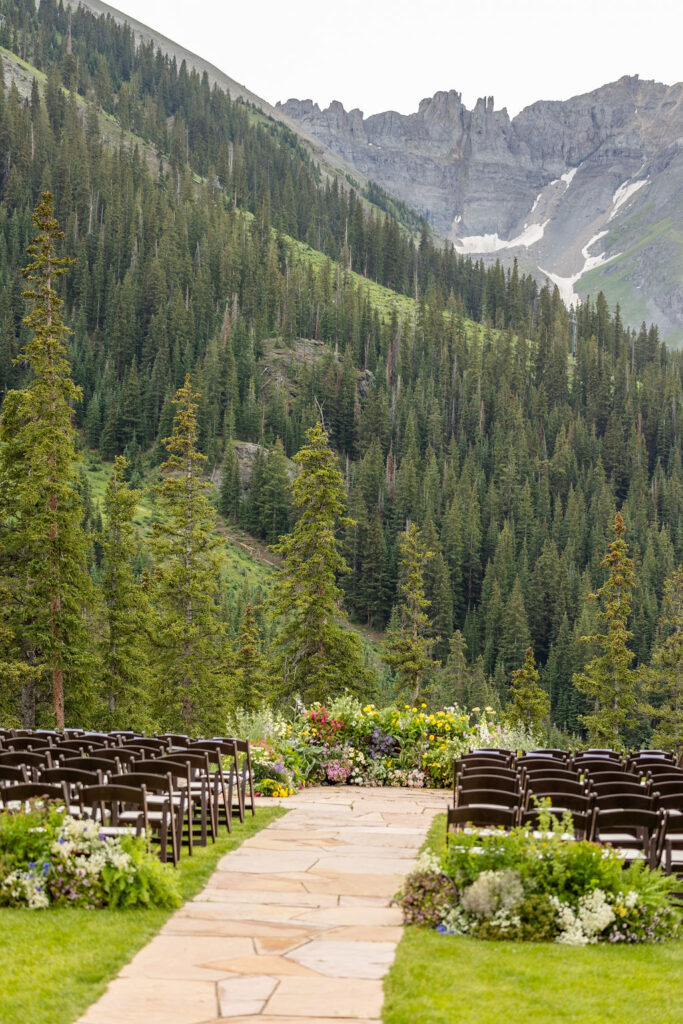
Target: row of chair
x,y
180,789
635,801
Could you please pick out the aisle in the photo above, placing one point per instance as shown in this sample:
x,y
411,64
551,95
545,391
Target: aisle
x,y
294,926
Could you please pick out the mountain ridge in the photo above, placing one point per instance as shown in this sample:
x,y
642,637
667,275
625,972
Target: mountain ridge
x,y
544,186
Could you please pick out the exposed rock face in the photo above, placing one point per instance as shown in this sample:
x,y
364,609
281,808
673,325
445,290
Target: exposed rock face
x,y
541,186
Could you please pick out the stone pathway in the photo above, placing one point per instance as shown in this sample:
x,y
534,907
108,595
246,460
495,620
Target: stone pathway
x,y
294,927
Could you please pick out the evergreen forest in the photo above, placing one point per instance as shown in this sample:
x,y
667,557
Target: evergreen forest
x,y
221,288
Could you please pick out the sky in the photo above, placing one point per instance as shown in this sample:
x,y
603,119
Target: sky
x,y
389,54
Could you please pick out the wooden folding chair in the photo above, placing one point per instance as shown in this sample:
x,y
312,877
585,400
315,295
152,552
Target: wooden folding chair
x,y
481,817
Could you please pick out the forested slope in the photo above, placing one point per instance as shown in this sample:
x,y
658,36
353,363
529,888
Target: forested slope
x,y
460,408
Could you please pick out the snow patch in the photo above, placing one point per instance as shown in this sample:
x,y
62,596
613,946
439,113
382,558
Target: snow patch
x,y
624,193
531,234
565,285
536,202
569,176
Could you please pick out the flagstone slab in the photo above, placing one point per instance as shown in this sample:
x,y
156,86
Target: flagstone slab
x,y
327,997
277,943
239,911
364,865
267,861
352,915
362,933
271,965
338,959
182,957
245,995
256,883
280,899
353,883
236,929
154,1001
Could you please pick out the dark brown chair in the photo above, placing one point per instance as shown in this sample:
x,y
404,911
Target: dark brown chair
x,y
543,785
580,806
224,787
631,831
480,781
125,808
8,773
481,817
31,760
184,803
201,787
91,764
23,791
625,799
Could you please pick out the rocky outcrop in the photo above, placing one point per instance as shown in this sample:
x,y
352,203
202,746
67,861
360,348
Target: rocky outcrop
x,y
567,187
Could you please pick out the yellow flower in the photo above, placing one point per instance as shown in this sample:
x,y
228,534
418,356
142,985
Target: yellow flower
x,y
423,705
413,709
431,739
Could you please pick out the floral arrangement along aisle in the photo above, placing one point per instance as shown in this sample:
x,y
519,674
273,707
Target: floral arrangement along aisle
x,y
49,858
347,742
539,885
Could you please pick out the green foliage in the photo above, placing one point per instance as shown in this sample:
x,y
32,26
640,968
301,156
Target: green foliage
x,y
44,575
408,645
191,645
316,655
529,704
608,678
664,678
125,657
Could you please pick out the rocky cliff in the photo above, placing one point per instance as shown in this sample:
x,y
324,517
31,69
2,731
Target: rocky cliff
x,y
587,191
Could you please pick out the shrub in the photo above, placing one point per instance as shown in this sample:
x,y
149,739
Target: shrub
x,y
49,857
540,885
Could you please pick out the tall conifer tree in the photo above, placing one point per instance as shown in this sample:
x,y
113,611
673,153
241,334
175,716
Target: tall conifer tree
x,y
192,657
125,658
317,656
43,544
608,678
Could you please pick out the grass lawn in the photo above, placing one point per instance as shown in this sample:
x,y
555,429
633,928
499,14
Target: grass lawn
x,y
448,979
56,962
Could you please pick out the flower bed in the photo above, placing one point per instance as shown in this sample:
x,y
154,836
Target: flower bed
x,y
48,858
539,885
346,742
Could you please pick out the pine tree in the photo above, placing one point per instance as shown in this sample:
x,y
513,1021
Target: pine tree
x,y
191,646
125,657
608,678
664,677
316,655
529,703
409,646
43,544
251,675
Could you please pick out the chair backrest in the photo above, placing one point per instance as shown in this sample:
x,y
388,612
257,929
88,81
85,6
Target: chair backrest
x,y
617,778
626,800
544,772
498,797
153,783
114,754
28,757
8,773
176,739
663,771
481,817
147,743
91,764
532,762
31,791
554,752
482,780
71,775
177,770
197,759
570,801
599,752
664,788
491,771
471,762
547,785
29,743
